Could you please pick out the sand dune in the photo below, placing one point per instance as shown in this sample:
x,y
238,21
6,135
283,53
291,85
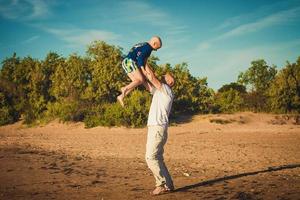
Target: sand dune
x,y
237,156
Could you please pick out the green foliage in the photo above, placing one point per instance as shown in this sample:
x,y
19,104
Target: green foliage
x,y
259,77
104,115
65,110
84,88
106,75
70,78
235,86
191,94
14,81
135,113
7,112
27,81
9,100
6,115
34,108
35,102
229,101
49,66
285,89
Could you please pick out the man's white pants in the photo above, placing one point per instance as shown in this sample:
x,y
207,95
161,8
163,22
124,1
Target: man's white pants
x,y
156,139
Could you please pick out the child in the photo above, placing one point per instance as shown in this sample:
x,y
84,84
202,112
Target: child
x,y
135,65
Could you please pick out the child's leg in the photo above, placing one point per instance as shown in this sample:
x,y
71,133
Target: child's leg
x,y
146,84
137,79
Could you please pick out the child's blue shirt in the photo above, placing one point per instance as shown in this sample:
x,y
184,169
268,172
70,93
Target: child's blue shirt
x,y
139,53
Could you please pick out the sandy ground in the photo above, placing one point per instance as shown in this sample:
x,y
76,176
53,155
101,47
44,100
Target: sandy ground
x,y
254,156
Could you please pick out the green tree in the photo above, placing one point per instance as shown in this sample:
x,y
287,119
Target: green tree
x,y
229,101
70,78
259,77
105,72
285,89
8,114
48,66
191,94
68,84
38,85
135,113
85,89
14,81
35,102
235,86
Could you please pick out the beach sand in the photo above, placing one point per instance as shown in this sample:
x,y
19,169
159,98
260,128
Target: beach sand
x,y
235,156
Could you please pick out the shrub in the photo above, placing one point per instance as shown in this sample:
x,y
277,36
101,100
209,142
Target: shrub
x,y
137,108
285,89
7,112
6,115
134,114
229,101
65,111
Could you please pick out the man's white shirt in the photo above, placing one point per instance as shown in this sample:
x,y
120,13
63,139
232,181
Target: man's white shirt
x,y
160,106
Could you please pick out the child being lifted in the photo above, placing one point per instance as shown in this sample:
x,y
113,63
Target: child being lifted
x,y
136,67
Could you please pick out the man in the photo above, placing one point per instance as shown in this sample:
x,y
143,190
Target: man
x,y
157,131
135,65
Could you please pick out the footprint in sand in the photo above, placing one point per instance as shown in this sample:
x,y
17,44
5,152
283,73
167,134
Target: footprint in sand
x,y
96,182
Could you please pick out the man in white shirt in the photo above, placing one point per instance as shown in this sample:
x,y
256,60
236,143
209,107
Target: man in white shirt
x,y
157,131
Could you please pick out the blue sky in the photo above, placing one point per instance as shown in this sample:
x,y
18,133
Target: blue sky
x,y
218,39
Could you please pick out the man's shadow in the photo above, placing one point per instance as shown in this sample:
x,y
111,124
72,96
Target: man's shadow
x,y
213,181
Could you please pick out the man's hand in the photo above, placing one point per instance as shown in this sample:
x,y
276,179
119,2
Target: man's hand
x,y
149,76
146,73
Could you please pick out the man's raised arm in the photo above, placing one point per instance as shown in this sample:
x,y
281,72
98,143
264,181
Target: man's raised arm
x,y
152,78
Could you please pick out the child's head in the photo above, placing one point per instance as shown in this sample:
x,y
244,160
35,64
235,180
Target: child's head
x,y
155,42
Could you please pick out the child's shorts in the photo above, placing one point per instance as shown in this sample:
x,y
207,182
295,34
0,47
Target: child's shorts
x,y
129,65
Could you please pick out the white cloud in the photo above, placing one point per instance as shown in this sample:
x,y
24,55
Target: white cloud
x,y
31,39
224,66
204,45
141,11
271,20
279,18
79,37
24,9
259,12
40,9
27,11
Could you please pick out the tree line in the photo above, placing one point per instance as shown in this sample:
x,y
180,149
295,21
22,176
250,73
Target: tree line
x,y
84,88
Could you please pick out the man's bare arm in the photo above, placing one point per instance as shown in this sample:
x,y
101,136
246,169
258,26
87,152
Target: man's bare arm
x,y
148,85
151,77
